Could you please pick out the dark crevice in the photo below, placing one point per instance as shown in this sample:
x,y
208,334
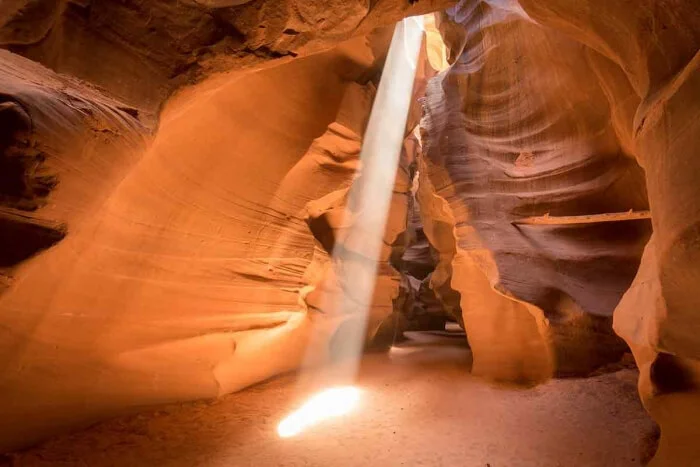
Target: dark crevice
x,y
322,232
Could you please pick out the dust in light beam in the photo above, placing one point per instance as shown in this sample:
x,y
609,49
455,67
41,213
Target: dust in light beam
x,y
371,198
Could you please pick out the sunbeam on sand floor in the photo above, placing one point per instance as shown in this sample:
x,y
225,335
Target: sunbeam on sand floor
x,y
419,406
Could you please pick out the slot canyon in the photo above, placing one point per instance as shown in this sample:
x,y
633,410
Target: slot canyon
x,y
467,230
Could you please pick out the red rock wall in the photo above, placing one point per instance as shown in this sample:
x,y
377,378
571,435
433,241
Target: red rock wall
x,y
140,267
140,51
549,108
192,264
85,143
519,126
651,71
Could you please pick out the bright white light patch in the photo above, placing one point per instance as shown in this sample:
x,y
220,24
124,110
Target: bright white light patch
x,y
330,403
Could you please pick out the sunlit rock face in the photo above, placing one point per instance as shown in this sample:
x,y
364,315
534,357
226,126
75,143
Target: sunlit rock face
x,y
182,259
195,257
160,246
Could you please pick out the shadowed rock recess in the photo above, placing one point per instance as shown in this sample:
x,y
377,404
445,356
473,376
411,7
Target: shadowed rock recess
x,y
174,180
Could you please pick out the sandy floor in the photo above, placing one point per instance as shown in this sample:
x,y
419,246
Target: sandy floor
x,y
420,406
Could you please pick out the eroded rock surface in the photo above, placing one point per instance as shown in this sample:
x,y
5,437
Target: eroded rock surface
x,y
141,50
192,264
519,126
62,147
154,253
553,107
652,74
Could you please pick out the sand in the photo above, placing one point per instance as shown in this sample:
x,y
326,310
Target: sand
x,y
420,406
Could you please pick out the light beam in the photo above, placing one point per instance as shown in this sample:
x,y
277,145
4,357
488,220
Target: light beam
x,y
356,256
330,403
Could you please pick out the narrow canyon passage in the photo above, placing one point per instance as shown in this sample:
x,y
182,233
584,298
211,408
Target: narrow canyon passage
x,y
350,232
418,407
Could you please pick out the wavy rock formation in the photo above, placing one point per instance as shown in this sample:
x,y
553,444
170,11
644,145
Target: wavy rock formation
x,y
650,71
174,179
140,51
551,108
63,146
66,147
190,267
519,126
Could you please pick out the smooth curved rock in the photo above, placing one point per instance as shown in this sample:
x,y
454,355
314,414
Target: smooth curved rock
x,y
519,126
571,92
651,72
189,272
141,267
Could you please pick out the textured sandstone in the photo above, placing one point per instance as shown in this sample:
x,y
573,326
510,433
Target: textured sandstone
x,y
651,72
63,146
546,109
513,130
192,266
140,50
156,250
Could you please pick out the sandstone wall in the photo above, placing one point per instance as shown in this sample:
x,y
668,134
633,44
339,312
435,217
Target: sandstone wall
x,y
141,50
519,126
553,107
651,72
152,253
193,261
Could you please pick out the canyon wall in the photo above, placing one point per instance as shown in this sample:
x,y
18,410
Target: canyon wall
x,y
651,72
519,126
184,264
142,50
569,108
160,246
